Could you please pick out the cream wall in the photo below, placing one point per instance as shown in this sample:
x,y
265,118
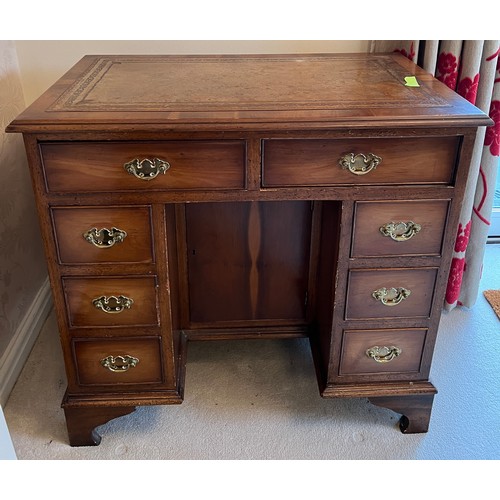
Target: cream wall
x,y
43,62
22,265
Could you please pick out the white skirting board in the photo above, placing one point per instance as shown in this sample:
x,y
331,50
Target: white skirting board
x,y
7,451
19,348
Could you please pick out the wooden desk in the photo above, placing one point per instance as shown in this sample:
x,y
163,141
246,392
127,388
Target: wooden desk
x,y
229,197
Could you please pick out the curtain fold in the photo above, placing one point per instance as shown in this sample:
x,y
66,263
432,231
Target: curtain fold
x,y
472,69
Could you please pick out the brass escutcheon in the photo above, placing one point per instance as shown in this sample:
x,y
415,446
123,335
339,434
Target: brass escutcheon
x,y
119,364
383,354
400,231
360,164
112,304
146,169
104,238
391,296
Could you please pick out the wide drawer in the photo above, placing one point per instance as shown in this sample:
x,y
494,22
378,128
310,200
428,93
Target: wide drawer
x,y
399,228
382,351
88,235
110,166
107,302
311,162
118,361
390,293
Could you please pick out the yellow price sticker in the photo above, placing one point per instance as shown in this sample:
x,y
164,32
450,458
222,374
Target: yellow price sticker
x,y
411,81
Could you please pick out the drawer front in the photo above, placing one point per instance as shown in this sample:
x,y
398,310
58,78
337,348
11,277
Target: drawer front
x,y
107,302
312,162
118,361
399,228
390,293
103,235
100,167
366,352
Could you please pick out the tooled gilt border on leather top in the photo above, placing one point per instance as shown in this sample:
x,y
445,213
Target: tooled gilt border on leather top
x,y
85,84
74,98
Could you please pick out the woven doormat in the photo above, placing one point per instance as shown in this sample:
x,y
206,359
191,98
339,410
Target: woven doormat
x,y
493,297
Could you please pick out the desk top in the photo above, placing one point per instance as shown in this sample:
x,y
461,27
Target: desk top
x,y
232,92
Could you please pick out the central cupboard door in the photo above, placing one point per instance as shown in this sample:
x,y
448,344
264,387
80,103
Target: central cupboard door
x,y
248,261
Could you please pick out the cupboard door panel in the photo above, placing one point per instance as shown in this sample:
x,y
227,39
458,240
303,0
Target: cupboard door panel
x,y
248,261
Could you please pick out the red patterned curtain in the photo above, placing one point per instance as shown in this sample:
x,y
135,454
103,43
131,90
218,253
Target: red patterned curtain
x,y
472,69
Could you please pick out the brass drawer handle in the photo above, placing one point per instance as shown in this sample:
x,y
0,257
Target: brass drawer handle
x,y
359,164
119,364
112,305
400,231
146,169
391,296
383,354
104,238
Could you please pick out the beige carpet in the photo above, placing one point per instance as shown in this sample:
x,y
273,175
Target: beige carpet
x,y
244,399
259,400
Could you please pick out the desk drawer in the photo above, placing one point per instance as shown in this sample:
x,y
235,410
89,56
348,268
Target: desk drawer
x,y
367,352
118,362
399,228
313,162
390,293
108,302
89,235
100,166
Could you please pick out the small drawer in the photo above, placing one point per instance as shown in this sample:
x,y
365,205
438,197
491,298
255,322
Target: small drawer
x,y
390,293
399,228
89,235
118,361
366,352
136,166
323,162
108,302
